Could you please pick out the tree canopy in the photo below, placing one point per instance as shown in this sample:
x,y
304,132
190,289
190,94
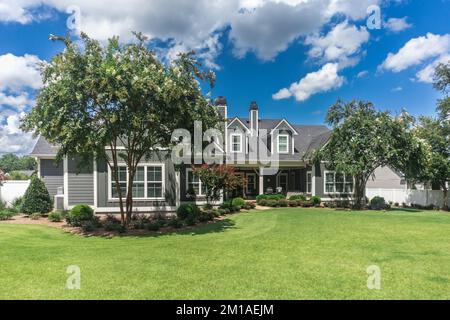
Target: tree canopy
x,y
435,132
364,139
119,97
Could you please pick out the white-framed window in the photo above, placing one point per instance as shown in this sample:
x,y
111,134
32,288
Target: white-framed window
x,y
194,183
309,182
338,182
148,182
283,143
236,142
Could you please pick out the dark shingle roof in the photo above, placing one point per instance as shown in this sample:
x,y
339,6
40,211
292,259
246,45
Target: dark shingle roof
x,y
44,148
309,139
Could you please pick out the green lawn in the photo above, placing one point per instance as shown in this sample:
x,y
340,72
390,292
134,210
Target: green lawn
x,y
276,254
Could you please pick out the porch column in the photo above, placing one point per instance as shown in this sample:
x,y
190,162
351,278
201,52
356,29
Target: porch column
x,y
177,188
313,180
261,181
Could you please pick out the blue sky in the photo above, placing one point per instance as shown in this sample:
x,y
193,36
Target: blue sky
x,y
294,57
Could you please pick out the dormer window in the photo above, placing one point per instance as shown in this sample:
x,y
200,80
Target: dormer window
x,y
283,143
236,142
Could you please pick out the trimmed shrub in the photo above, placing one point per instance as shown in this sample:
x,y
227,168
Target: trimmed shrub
x,y
188,212
154,226
293,203
55,216
297,197
79,214
283,203
263,203
208,215
6,215
88,226
176,223
115,227
378,203
139,221
35,216
238,202
306,204
236,208
260,198
249,206
2,205
316,200
223,212
36,198
276,197
82,211
273,203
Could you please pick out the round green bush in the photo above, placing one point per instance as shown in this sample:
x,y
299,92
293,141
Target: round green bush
x,y
283,203
378,203
238,202
83,212
36,198
55,216
316,200
188,212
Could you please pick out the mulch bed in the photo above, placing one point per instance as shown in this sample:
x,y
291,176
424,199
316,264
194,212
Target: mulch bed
x,y
25,220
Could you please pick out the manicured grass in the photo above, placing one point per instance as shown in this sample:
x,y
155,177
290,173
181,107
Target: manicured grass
x,y
276,254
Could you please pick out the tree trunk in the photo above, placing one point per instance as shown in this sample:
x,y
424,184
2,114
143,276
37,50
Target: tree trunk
x,y
445,198
360,192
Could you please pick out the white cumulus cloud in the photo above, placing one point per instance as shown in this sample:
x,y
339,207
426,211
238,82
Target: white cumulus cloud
x,y
397,24
19,72
416,51
341,44
325,79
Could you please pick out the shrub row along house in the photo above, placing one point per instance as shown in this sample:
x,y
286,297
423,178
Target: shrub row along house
x,y
158,187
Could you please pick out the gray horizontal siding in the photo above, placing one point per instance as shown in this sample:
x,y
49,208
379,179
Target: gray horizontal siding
x,y
80,184
52,174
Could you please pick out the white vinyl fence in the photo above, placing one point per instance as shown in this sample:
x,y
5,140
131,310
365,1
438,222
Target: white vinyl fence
x,y
419,197
11,190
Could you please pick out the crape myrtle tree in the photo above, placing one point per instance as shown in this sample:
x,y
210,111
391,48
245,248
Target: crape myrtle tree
x,y
118,103
364,139
436,133
217,179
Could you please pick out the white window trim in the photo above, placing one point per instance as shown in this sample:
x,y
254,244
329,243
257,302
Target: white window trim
x,y
145,165
232,143
200,183
309,173
254,179
287,143
334,183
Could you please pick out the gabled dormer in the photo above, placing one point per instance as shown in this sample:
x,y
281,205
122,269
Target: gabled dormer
x,y
282,138
237,132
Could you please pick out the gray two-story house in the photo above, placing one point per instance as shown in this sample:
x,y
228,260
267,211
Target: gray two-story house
x,y
272,155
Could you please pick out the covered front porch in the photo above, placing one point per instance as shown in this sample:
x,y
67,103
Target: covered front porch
x,y
285,180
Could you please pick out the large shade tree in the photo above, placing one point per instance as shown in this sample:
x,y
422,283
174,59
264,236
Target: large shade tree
x,y
118,103
435,131
364,139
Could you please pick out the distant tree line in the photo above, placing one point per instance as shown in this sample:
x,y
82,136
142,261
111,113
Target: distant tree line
x,y
10,162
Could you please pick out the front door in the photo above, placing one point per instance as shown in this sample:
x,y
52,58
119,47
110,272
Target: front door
x,y
251,183
283,182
